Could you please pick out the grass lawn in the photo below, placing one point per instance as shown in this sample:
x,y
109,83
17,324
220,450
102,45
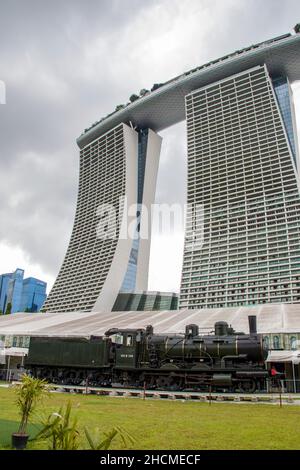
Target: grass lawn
x,y
169,425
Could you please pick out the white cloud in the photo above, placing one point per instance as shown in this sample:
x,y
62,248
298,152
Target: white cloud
x,y
66,65
13,257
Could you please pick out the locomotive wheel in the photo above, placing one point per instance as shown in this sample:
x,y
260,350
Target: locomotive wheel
x,y
46,374
169,382
247,386
163,382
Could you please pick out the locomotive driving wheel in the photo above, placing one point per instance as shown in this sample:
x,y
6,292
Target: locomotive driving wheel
x,y
247,386
169,382
163,382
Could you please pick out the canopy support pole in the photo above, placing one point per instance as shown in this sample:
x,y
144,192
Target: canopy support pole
x,y
294,380
8,369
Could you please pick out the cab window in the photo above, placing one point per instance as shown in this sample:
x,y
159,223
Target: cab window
x,y
129,340
117,339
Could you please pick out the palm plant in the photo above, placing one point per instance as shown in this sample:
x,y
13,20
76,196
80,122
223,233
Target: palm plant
x,y
62,433
105,442
60,430
28,393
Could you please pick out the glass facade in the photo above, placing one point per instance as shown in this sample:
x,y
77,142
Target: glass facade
x,y
282,91
23,294
4,281
14,291
130,276
96,267
145,301
240,171
129,281
282,341
33,295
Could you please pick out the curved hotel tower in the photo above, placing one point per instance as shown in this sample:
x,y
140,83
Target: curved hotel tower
x,y
243,170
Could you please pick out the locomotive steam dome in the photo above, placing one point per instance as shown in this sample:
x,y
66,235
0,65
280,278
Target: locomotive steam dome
x,y
221,328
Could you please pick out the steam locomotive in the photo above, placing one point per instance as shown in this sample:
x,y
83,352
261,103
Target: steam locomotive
x,y
226,360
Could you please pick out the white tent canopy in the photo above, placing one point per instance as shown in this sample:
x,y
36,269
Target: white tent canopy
x,y
271,318
284,356
20,352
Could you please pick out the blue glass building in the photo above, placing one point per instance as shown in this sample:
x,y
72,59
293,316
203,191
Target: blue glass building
x,y
33,294
23,294
4,281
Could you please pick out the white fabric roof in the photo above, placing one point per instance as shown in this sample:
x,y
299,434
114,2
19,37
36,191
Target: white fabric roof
x,y
284,356
271,318
14,351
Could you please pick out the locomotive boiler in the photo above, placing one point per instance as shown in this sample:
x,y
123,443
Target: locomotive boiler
x,y
225,360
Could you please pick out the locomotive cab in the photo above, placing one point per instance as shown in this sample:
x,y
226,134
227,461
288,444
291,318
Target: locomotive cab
x,y
126,345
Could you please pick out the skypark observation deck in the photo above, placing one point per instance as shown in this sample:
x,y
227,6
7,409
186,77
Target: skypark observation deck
x,y
165,106
243,169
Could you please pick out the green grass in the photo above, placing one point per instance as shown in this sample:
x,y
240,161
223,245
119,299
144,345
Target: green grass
x,y
169,425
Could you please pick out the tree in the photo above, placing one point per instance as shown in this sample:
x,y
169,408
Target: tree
x,y
143,92
156,86
133,98
119,106
29,394
8,309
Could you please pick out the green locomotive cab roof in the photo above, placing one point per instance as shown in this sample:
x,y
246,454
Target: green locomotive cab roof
x,y
113,331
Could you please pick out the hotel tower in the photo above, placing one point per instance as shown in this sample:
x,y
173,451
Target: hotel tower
x,y
243,174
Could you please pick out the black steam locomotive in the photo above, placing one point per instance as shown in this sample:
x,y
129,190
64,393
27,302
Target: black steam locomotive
x,y
140,358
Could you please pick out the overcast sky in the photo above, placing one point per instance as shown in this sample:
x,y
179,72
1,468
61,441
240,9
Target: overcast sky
x,y
68,63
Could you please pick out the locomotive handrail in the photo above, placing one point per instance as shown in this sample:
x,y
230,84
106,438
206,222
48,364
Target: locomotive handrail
x,y
175,344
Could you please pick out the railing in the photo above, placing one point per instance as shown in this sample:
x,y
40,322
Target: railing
x,y
283,386
273,386
10,375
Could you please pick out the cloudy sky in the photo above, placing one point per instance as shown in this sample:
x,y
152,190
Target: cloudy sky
x,y
66,64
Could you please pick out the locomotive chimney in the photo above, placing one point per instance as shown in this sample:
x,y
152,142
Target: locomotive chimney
x,y
252,324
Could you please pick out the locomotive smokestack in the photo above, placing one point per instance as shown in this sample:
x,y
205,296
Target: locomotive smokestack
x,y
252,324
149,330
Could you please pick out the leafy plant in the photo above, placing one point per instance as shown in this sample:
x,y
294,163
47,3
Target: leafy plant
x,y
60,430
105,443
62,433
29,393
